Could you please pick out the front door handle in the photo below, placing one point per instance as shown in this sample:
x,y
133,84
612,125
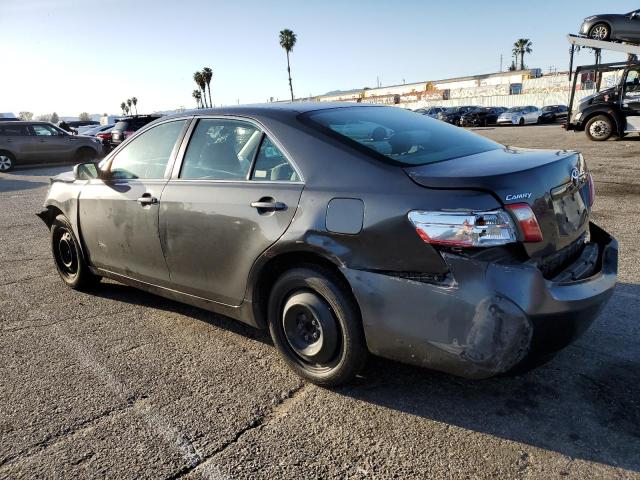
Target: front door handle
x,y
147,199
269,206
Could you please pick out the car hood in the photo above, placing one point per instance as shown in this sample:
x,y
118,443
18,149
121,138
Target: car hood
x,y
588,100
64,177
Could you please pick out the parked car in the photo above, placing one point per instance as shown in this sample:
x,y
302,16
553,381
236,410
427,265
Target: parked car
x,y
431,111
96,129
612,111
616,27
105,137
520,116
76,124
126,126
452,115
482,117
34,142
472,258
553,113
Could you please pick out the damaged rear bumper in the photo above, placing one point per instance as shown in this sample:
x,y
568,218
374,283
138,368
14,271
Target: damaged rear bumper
x,y
489,320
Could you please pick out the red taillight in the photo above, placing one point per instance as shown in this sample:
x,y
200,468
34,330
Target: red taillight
x,y
527,221
592,191
104,136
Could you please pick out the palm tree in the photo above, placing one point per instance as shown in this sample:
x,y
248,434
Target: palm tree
x,y
288,41
520,47
199,79
126,109
129,102
122,106
207,74
198,96
134,100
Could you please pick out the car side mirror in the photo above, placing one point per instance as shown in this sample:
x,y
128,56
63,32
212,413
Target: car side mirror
x,y
86,171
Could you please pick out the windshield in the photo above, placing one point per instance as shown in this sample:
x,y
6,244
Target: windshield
x,y
550,108
515,109
398,135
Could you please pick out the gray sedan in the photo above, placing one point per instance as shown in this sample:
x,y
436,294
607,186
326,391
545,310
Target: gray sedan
x,y
346,230
22,143
623,28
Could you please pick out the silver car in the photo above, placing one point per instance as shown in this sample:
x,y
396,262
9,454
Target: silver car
x,y
23,143
520,116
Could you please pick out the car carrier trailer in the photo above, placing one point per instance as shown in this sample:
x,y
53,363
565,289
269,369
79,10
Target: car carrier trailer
x,y
614,110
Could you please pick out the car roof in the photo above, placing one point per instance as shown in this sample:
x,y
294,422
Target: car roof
x,y
23,122
294,108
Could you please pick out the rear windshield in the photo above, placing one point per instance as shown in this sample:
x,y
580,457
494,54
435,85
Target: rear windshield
x,y
399,135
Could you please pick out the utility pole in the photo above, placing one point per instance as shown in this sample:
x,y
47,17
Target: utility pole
x,y
501,62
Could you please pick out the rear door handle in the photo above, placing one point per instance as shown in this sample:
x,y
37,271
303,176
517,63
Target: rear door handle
x,y
147,199
269,206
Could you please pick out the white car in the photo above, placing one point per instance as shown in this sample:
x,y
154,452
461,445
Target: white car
x,y
520,116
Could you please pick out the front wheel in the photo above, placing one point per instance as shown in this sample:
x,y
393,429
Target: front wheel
x,y
521,122
315,324
599,128
600,31
70,263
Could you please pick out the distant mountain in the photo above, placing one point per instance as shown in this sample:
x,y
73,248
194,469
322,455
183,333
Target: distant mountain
x,y
342,92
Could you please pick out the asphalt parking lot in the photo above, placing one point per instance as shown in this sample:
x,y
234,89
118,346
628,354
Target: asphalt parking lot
x,y
123,384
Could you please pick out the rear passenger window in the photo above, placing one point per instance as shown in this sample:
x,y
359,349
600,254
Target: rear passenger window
x,y
271,164
220,150
13,131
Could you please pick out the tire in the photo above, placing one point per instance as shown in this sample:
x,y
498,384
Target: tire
x,y
521,122
85,154
316,326
7,162
68,257
600,31
599,128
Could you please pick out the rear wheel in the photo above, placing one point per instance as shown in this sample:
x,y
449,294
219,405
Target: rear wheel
x,y
599,128
85,154
7,162
600,31
316,326
70,263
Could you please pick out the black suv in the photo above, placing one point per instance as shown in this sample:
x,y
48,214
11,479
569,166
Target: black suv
x,y
125,127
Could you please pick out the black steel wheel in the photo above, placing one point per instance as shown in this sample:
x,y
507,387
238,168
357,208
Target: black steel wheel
x,y
68,256
600,31
315,325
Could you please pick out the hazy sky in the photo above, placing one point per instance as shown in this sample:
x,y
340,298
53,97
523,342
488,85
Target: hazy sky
x,y
70,56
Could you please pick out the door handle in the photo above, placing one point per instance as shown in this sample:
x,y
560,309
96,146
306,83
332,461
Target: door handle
x,y
269,206
147,199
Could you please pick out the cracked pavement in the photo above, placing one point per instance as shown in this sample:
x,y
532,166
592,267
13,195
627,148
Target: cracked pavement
x,y
122,384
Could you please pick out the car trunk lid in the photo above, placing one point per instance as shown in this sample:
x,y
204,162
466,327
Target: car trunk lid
x,y
554,183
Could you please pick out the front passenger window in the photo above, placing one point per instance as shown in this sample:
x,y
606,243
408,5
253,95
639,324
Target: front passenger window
x,y
272,165
147,156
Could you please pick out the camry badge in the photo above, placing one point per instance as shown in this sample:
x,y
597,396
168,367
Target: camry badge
x,y
517,196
